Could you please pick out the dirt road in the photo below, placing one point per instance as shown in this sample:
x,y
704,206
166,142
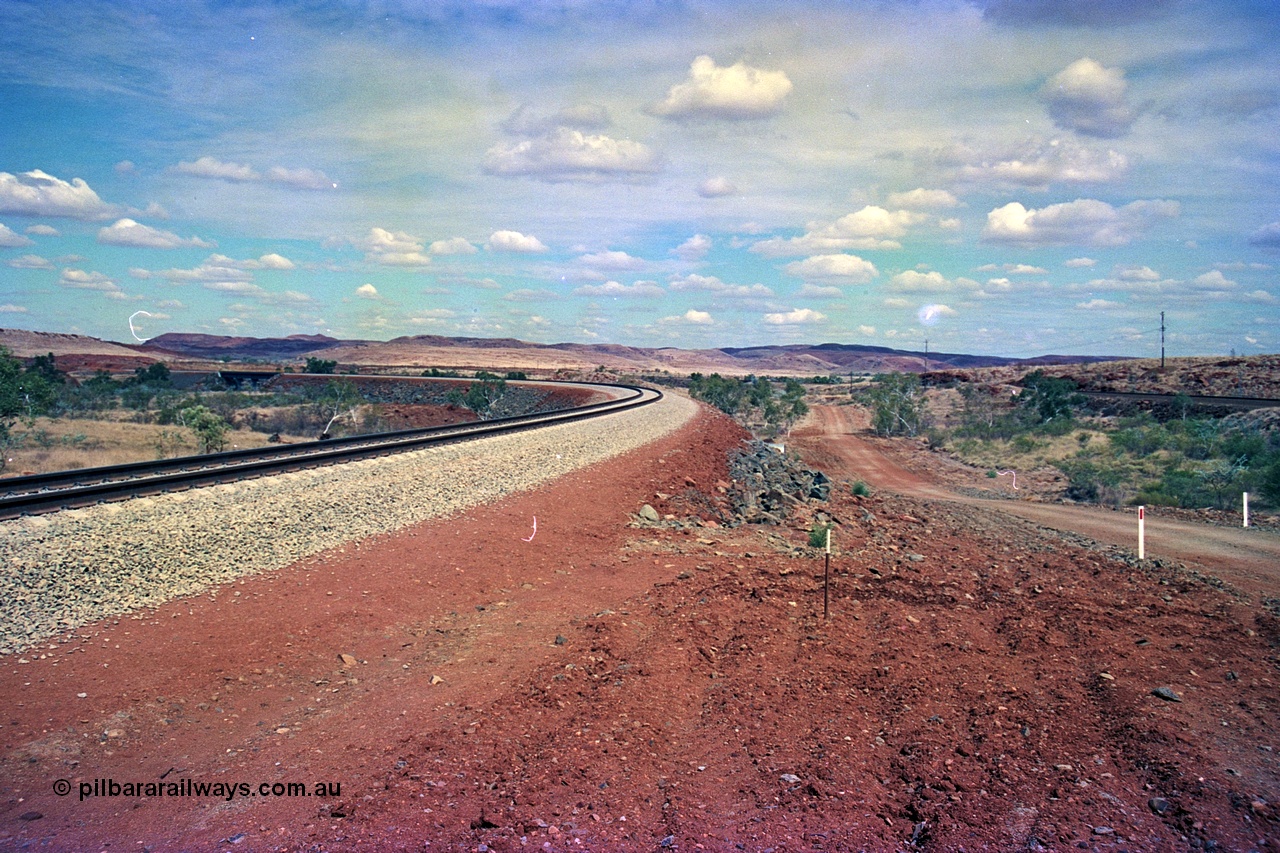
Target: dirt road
x,y
832,439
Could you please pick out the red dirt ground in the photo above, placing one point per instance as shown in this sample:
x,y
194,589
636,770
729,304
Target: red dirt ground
x,y
979,684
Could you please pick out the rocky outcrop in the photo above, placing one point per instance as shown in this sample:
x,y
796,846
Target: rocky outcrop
x,y
768,485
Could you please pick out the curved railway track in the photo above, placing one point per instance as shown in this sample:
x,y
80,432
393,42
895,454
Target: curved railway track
x,y
42,493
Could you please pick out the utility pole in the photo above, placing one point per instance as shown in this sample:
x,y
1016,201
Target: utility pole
x,y
1162,340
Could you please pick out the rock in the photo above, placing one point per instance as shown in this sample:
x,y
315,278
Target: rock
x,y
435,679
30,816
1159,805
649,514
789,779
1103,830
1167,694
348,660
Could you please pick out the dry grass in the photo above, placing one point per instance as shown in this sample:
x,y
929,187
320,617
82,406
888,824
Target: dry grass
x,y
66,444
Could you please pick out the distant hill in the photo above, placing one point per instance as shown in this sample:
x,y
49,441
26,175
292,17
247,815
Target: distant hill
x,y
219,346
493,353
422,351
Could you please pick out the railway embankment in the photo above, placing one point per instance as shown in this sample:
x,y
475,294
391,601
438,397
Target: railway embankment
x,y
71,568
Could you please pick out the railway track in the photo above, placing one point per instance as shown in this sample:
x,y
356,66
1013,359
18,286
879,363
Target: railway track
x,y
43,493
1200,401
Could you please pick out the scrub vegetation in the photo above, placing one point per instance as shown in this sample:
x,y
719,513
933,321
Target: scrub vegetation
x,y
1185,460
50,420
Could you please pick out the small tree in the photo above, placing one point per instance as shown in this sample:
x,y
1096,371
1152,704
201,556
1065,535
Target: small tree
x,y
319,365
1048,399
24,394
793,405
480,397
897,405
339,399
210,429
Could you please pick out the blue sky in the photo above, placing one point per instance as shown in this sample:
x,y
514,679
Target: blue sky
x,y
1012,177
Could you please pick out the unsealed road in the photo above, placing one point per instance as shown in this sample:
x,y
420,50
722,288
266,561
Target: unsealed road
x,y
1247,559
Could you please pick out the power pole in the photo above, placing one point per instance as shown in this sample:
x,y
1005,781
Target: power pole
x,y
1162,340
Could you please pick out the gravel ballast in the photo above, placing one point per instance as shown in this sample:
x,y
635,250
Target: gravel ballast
x,y
74,567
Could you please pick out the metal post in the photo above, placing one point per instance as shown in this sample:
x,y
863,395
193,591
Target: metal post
x,y
1142,533
1246,509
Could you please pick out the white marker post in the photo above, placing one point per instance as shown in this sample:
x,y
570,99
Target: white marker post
x,y
1246,509
826,575
1142,533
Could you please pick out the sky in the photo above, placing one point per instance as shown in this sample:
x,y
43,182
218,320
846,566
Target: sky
x,y
1008,177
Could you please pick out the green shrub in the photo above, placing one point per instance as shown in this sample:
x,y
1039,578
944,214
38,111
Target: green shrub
x,y
861,489
1025,444
818,535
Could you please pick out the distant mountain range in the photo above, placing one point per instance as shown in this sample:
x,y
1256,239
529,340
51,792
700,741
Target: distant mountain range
x,y
434,350
425,351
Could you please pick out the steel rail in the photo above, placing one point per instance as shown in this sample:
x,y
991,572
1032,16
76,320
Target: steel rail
x,y
118,482
132,470
1201,399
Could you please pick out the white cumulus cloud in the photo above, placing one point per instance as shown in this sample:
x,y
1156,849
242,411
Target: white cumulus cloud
x,y
127,232
392,248
1089,99
929,315
367,291
452,246
615,289
514,241
734,92
31,262
12,240
1268,236
96,281
923,199
716,187
568,154
795,317
612,260
239,173
1037,164
694,248
695,283
872,227
210,167
914,281
693,316
819,291
37,193
1086,222
848,269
